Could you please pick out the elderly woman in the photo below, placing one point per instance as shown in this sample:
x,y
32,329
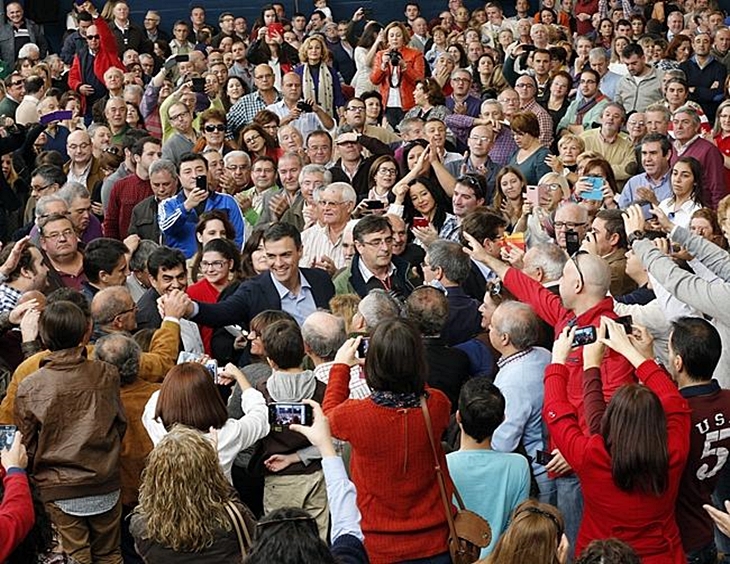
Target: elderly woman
x,y
213,128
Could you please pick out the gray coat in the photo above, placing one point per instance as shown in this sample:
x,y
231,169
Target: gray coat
x,y
7,41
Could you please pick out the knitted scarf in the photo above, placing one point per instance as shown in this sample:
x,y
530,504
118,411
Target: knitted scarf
x,y
325,89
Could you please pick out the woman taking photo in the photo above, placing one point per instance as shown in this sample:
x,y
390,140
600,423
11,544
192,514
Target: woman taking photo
x,y
213,128
530,155
371,41
320,82
182,516
189,397
686,195
396,70
270,48
398,496
631,464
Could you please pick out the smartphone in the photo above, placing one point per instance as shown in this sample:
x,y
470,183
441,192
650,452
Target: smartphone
x,y
302,106
170,63
596,193
584,336
362,348
198,84
273,28
645,209
374,204
543,457
625,322
58,115
212,367
420,222
281,415
532,195
182,58
572,242
7,436
201,182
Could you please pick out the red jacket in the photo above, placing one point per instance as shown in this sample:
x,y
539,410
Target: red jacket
x,y
415,70
392,467
106,58
645,522
615,369
16,512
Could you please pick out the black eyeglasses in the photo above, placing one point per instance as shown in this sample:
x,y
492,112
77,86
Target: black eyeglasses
x,y
574,258
93,36
210,128
130,310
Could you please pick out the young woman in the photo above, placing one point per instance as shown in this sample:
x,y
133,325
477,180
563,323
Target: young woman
x,y
395,71
220,266
616,65
374,111
558,102
189,397
604,34
399,499
425,199
631,464
509,199
370,43
234,88
536,534
181,516
213,224
596,168
537,221
686,195
257,142
320,82
253,255
383,176
271,49
721,136
530,155
488,77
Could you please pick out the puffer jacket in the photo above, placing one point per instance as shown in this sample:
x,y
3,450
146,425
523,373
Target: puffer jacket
x,y
72,420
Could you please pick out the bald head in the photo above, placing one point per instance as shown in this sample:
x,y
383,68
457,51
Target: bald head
x,y
323,335
110,303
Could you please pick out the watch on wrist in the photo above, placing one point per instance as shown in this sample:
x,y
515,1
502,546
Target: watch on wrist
x,y
635,236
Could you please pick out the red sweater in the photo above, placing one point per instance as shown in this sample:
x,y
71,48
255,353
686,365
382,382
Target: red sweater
x,y
645,522
392,467
615,369
16,513
204,291
126,193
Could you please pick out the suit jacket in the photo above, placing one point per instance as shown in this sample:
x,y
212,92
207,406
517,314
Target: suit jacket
x,y
7,41
295,214
257,295
96,174
144,220
475,284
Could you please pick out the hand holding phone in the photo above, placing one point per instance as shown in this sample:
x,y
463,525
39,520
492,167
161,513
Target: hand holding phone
x,y
421,222
596,190
584,336
283,414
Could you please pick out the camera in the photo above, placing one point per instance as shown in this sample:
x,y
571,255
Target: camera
x,y
303,107
395,57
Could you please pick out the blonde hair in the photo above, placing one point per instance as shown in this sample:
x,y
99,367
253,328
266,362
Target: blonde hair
x,y
183,492
345,306
574,139
305,46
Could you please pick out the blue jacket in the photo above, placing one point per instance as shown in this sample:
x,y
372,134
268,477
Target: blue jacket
x,y
178,225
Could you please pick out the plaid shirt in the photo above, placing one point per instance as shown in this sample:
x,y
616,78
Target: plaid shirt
x,y
9,298
545,121
243,111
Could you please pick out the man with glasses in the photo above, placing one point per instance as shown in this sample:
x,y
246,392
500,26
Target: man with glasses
x,y
152,29
582,301
608,80
179,45
526,87
290,112
570,217
225,21
83,167
184,138
462,101
93,60
374,266
319,148
14,92
78,203
60,247
587,108
237,175
355,118
654,184
251,201
265,94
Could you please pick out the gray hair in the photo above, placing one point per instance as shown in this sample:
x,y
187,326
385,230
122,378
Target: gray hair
x,y
324,334
492,102
519,321
107,304
27,50
450,257
378,306
41,205
690,111
135,88
428,308
292,155
72,191
233,154
121,351
661,108
138,260
163,165
547,256
315,169
93,126
347,192
597,53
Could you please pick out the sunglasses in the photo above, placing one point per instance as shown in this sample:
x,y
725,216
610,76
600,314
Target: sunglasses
x,y
574,258
210,128
89,36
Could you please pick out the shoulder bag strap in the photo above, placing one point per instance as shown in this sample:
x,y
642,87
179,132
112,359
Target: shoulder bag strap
x,y
239,525
439,473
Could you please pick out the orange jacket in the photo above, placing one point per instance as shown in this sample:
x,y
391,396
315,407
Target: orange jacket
x,y
415,70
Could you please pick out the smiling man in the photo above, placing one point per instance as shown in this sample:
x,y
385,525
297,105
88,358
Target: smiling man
x,y
286,286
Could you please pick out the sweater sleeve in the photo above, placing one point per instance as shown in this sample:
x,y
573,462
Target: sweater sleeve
x,y
546,304
713,257
153,365
16,512
561,418
337,392
593,401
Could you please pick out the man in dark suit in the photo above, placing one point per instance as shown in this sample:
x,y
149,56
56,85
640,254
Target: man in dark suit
x,y
487,228
297,291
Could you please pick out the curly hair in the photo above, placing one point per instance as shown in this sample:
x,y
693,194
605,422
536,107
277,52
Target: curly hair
x,y
183,492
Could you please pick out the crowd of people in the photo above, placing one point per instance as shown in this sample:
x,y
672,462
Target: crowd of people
x,y
509,223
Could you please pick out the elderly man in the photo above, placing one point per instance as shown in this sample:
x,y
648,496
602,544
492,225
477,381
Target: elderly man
x,y
323,243
611,144
526,87
598,60
18,31
291,109
689,143
352,167
237,172
115,112
276,203
303,212
60,245
14,92
163,182
83,167
654,184
570,218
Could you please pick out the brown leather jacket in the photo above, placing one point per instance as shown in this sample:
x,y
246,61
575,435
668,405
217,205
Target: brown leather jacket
x,y
72,420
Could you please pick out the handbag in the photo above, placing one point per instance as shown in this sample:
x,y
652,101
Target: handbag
x,y
243,524
468,531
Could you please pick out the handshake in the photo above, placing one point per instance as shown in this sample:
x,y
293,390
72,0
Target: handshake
x,y
175,303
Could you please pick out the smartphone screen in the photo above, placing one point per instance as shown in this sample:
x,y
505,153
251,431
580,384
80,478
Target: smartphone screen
x,y
201,182
374,204
7,436
420,222
362,348
532,195
543,457
584,336
283,414
572,242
